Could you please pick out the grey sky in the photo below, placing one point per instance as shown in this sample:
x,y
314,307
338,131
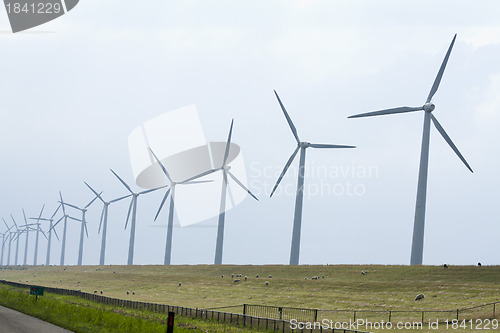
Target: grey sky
x,y
74,89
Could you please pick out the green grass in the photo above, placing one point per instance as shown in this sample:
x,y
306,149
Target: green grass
x,y
79,315
383,288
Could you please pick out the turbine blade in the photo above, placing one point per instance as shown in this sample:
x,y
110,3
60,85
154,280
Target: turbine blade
x,y
41,212
92,201
55,211
435,86
153,189
205,173
197,182
121,180
24,215
44,235
102,217
402,109
75,207
320,145
161,165
54,225
447,139
290,160
288,119
162,203
6,224
13,220
55,233
241,185
62,203
97,194
120,198
129,210
228,144
74,218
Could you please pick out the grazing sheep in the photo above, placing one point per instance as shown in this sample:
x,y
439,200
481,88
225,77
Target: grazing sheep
x,y
270,276
236,280
101,292
305,278
232,276
128,292
419,297
479,264
60,280
267,283
257,276
238,275
246,277
133,293
322,276
445,266
363,273
180,284
222,275
314,278
95,291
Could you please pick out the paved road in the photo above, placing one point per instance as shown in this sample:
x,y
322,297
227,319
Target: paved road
x,y
16,322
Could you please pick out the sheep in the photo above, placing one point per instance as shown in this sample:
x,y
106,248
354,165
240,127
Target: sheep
x,y
363,273
101,292
222,275
232,276
238,275
322,276
257,276
60,280
246,277
95,291
128,292
479,264
236,280
270,276
133,293
267,283
180,284
445,266
419,297
305,278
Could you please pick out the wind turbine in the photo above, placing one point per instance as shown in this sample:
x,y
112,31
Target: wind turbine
x,y
171,191
224,168
417,248
51,228
104,220
132,208
11,233
17,236
302,146
83,228
37,229
27,229
65,218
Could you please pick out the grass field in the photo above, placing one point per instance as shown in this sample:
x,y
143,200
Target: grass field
x,y
343,287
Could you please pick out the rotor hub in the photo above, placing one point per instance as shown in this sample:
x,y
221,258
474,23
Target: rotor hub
x,y
304,144
429,107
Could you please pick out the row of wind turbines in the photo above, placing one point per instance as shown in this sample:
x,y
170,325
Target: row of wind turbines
x,y
14,231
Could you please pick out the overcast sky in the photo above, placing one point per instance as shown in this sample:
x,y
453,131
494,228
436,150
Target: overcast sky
x,y
72,91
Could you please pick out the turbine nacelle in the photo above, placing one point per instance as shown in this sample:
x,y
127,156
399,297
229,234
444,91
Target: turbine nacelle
x,y
429,107
304,144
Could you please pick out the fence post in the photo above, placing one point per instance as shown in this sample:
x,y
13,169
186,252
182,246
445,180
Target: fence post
x,y
354,316
280,310
494,304
422,318
315,315
244,309
390,315
457,313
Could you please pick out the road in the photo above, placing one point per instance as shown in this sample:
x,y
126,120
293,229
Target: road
x,y
16,322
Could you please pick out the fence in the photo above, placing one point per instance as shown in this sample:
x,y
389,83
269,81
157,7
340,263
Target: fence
x,y
244,320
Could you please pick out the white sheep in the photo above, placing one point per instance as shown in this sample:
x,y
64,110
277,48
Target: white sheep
x,y
236,280
419,297
267,283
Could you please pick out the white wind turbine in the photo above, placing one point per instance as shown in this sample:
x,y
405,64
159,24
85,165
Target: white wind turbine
x,y
27,229
302,146
38,230
419,222
11,235
18,233
51,228
65,224
104,221
132,208
83,228
3,235
171,191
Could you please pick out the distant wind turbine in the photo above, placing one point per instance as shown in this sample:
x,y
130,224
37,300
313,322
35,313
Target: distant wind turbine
x,y
27,229
38,230
51,229
3,235
17,236
11,235
83,228
132,208
104,221
171,191
65,224
302,146
417,249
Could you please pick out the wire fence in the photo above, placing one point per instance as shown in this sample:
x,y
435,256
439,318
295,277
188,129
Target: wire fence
x,y
288,319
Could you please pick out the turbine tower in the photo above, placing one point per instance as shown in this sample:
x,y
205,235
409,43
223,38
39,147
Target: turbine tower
x,y
302,146
37,229
132,208
171,191
17,236
11,234
65,218
3,235
27,229
417,248
83,228
104,221
51,228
